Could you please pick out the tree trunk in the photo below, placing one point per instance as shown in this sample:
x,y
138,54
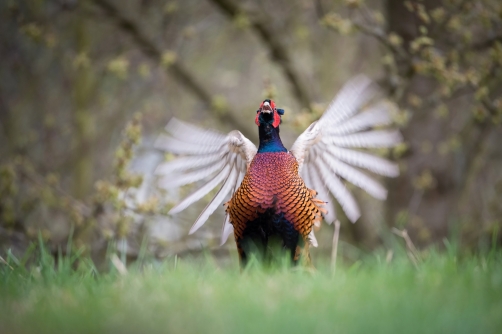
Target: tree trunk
x,y
461,176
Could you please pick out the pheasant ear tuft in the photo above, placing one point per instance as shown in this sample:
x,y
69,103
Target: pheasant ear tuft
x,y
280,111
277,120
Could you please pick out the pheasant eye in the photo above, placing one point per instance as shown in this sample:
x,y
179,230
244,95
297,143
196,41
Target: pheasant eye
x,y
257,111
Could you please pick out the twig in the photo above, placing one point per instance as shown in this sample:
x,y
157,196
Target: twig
x,y
119,265
411,249
37,181
319,9
389,256
334,249
439,28
488,43
415,201
379,35
476,159
278,51
6,263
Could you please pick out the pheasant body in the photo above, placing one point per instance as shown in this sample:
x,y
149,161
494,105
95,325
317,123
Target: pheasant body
x,y
273,201
276,194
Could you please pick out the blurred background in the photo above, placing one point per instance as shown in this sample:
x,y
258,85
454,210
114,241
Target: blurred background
x,y
86,86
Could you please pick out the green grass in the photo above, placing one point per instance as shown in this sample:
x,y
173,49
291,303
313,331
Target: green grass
x,y
442,294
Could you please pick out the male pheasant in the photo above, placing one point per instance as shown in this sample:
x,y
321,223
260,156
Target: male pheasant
x,y
276,194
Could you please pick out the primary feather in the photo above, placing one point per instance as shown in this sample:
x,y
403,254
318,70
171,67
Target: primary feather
x,y
279,193
328,147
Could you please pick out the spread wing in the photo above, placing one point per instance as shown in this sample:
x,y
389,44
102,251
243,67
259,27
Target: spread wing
x,y
331,148
204,155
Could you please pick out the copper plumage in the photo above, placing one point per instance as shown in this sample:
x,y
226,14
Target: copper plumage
x,y
273,184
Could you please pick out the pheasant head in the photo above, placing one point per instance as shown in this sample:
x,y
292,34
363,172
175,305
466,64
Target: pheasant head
x,y
267,113
268,119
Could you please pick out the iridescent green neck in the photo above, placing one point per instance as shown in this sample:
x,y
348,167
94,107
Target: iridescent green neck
x,y
270,141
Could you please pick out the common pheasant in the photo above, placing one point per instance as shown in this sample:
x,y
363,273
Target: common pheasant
x,y
278,194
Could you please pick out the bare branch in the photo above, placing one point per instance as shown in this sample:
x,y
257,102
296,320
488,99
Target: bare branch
x,y
488,43
176,69
6,263
379,35
277,49
411,249
40,183
334,248
119,265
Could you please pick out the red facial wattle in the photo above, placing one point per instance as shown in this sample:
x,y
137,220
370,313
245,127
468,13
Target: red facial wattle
x,y
277,119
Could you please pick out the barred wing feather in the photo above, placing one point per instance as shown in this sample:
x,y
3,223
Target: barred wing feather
x,y
329,149
205,155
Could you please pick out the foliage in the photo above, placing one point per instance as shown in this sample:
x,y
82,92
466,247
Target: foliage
x,y
109,214
457,43
443,66
75,72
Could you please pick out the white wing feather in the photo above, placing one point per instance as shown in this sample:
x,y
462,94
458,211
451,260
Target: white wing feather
x,y
227,228
313,181
217,199
184,163
328,149
207,153
202,191
338,189
377,115
369,139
